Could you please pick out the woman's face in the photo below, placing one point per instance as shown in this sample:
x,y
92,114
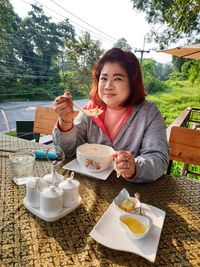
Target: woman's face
x,y
113,86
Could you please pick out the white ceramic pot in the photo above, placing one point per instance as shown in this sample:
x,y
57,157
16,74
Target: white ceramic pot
x,y
33,189
51,200
71,192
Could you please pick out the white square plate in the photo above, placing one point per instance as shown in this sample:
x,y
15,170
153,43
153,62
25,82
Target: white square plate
x,y
75,166
110,233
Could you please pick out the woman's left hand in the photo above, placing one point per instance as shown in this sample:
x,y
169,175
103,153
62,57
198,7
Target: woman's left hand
x,y
125,163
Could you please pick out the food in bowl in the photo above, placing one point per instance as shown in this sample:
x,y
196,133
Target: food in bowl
x,y
94,157
137,226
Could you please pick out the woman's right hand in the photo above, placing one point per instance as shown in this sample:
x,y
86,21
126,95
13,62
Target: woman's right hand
x,y
63,106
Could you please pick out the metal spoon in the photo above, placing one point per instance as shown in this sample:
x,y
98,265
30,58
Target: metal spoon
x,y
118,173
137,195
89,112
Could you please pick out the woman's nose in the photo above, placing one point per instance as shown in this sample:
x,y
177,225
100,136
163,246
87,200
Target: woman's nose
x,y
109,85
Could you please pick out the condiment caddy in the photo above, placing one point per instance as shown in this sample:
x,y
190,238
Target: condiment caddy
x,y
52,197
50,202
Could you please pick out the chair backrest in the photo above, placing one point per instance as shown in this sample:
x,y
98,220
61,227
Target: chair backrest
x,y
45,119
185,145
24,129
181,121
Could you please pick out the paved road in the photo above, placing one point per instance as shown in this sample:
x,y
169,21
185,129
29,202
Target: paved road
x,y
20,111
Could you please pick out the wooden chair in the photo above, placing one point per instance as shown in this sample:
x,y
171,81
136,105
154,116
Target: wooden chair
x,y
45,119
24,130
184,147
181,121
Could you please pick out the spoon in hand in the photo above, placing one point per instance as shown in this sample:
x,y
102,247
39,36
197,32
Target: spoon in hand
x,y
89,112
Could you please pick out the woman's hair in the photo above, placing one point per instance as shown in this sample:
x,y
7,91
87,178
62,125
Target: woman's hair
x,y
132,67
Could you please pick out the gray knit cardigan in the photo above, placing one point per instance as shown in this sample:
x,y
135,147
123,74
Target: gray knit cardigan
x,y
144,135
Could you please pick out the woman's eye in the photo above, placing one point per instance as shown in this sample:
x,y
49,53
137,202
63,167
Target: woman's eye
x,y
118,79
103,79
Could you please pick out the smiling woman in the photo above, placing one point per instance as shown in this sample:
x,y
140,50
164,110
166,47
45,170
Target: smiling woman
x,y
131,125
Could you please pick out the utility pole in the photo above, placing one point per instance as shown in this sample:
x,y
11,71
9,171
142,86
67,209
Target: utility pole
x,y
142,51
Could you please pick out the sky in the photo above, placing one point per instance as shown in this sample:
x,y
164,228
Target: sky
x,y
106,20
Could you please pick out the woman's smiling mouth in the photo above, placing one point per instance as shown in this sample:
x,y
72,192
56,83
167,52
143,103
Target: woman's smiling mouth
x,y
109,95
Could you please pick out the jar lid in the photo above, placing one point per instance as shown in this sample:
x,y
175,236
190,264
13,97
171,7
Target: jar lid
x,y
49,178
52,192
69,184
36,183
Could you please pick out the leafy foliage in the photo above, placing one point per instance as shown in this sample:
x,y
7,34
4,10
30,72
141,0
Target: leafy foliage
x,y
122,44
37,51
171,102
153,73
191,71
81,59
177,96
40,42
178,18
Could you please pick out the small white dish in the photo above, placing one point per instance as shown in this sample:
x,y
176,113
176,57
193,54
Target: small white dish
x,y
76,167
124,195
137,226
51,218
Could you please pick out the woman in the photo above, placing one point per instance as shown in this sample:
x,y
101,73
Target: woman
x,y
131,125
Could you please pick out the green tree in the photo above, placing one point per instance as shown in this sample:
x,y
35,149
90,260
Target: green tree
x,y
180,16
178,63
162,71
40,42
8,22
151,80
191,70
123,44
79,60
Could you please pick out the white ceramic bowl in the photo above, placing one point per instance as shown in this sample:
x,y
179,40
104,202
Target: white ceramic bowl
x,y
119,200
94,157
139,225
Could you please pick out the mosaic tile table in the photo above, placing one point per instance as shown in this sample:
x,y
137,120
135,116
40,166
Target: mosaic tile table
x,y
26,240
